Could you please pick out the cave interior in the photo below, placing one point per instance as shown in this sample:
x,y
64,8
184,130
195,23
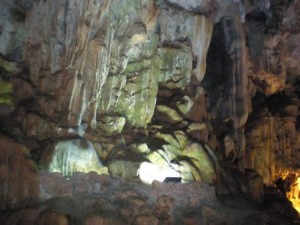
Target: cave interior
x,y
149,112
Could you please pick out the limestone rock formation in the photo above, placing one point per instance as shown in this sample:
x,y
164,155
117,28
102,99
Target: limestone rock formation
x,y
198,99
72,156
18,175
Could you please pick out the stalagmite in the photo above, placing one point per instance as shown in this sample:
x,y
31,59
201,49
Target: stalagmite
x,y
74,156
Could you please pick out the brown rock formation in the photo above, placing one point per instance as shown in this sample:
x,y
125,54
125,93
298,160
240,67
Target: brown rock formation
x,y
18,175
200,91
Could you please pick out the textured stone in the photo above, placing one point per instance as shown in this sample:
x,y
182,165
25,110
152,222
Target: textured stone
x,y
192,160
12,31
72,156
123,56
177,26
10,68
123,169
169,114
118,202
134,95
176,66
201,161
99,220
267,83
226,79
18,174
185,104
256,186
93,47
5,92
48,217
131,78
271,150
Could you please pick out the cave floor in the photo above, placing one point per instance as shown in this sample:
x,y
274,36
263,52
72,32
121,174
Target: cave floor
x,y
91,199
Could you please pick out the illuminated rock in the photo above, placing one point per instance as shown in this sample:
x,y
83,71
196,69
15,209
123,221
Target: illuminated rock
x,y
160,158
185,104
6,97
113,124
10,68
5,92
198,131
271,147
188,172
198,29
123,169
293,195
169,114
134,93
201,161
175,66
101,38
72,156
194,161
268,83
129,74
291,184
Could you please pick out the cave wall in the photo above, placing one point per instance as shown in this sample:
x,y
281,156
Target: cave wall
x,y
182,84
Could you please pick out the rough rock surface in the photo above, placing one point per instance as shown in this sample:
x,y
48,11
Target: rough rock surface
x,y
207,91
18,175
93,199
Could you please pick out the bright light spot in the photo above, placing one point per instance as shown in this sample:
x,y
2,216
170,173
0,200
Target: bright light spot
x,y
149,172
294,194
